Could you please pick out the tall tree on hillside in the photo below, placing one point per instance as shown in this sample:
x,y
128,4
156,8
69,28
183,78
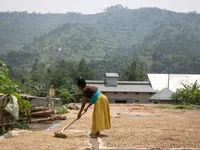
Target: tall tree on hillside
x,y
84,70
134,72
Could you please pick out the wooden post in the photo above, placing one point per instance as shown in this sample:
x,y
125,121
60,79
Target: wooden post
x,y
51,95
168,81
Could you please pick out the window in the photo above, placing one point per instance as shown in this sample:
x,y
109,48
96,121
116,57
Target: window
x,y
125,92
120,101
136,101
150,93
104,92
137,93
150,101
155,102
115,92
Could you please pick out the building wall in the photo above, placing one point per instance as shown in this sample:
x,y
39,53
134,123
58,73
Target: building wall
x,y
128,97
44,102
111,81
39,102
144,97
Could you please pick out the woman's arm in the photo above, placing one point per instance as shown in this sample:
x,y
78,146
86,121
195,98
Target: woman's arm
x,y
90,104
84,100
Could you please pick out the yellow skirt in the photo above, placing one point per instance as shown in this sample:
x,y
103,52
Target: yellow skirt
x,y
101,115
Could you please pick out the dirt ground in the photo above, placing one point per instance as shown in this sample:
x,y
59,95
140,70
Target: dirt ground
x,y
135,126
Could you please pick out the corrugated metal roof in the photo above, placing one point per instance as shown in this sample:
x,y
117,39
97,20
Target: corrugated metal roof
x,y
94,82
134,82
32,97
125,88
119,82
164,94
177,80
160,81
112,75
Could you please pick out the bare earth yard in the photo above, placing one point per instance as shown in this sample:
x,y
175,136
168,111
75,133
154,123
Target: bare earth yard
x,y
133,126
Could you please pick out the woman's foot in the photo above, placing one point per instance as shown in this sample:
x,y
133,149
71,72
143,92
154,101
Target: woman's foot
x,y
95,135
98,133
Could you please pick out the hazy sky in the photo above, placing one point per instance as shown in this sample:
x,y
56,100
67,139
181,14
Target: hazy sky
x,y
94,6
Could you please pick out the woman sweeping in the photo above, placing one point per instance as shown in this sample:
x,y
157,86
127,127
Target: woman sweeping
x,y
101,112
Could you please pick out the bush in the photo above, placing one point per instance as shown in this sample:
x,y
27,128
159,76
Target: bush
x,y
183,107
8,87
64,95
21,125
61,110
75,95
197,107
190,94
162,106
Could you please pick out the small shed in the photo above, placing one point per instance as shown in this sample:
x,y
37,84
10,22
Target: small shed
x,y
162,97
41,101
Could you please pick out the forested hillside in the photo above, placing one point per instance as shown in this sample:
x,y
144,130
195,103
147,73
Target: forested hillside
x,y
19,28
155,40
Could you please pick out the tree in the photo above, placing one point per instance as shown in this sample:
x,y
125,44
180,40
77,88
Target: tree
x,y
64,95
37,83
6,85
84,70
134,72
190,94
113,8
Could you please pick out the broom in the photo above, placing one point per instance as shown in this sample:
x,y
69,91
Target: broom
x,y
60,133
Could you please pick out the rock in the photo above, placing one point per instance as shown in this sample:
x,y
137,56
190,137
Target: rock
x,y
2,138
73,106
12,133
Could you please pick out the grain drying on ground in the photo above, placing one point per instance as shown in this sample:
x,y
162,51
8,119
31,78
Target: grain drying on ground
x,y
172,128
139,126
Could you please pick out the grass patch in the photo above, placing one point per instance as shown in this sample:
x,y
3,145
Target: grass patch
x,y
61,110
197,107
162,106
183,107
21,125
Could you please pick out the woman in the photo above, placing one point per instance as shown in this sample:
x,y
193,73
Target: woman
x,y
101,112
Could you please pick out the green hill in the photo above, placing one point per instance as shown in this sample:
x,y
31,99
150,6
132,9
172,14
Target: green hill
x,y
17,28
166,41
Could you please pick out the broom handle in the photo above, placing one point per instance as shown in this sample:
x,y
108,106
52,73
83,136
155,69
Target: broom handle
x,y
63,129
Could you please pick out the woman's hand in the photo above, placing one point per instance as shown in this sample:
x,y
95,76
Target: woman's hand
x,y
86,109
79,116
